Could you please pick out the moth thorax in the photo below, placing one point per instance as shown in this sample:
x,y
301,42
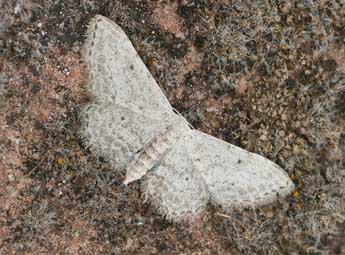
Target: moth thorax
x,y
152,153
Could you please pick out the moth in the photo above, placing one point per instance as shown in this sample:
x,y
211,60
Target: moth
x,y
132,124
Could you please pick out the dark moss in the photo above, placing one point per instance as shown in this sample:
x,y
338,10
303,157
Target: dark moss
x,y
36,88
200,41
12,118
329,65
196,13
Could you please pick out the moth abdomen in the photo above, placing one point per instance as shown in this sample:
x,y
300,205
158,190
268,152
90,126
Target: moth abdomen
x,y
152,153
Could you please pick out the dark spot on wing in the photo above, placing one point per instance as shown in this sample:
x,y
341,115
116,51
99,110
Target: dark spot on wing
x,y
239,161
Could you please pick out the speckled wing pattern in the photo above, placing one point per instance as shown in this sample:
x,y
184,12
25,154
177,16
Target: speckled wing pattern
x,y
130,108
117,73
236,177
132,124
176,186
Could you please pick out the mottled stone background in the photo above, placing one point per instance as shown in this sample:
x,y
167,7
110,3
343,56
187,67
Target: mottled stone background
x,y
265,75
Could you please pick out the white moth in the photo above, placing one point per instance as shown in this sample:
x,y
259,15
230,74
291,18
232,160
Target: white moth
x,y
132,124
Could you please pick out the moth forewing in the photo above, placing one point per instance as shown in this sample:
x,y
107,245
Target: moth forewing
x,y
132,124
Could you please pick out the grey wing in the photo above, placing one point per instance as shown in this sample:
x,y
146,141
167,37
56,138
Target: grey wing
x,y
236,177
130,108
118,133
175,187
116,72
